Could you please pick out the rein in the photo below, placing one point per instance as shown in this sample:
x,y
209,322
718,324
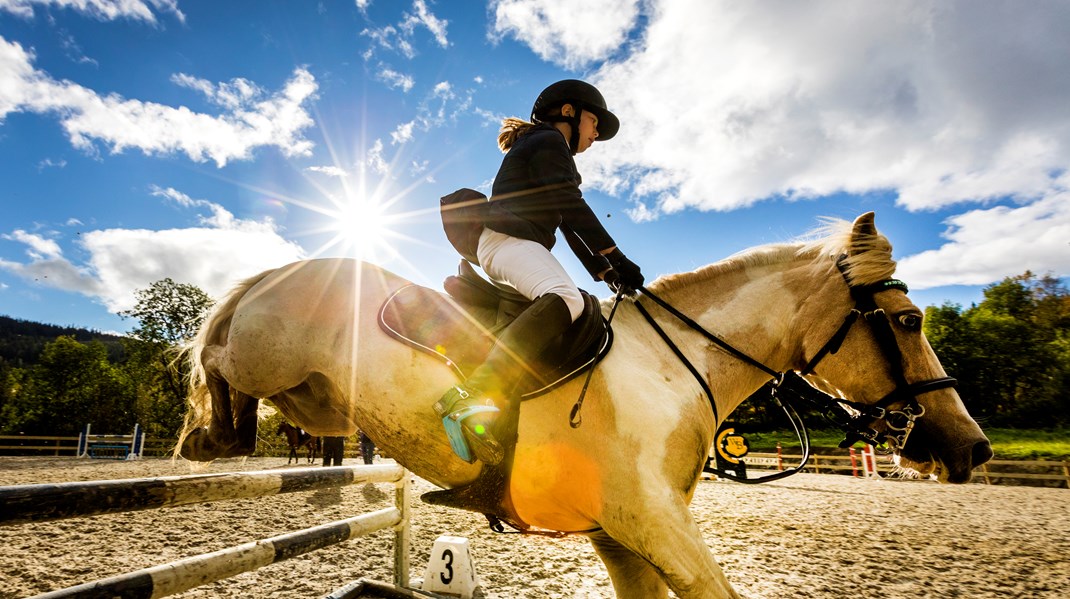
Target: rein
x,y
790,388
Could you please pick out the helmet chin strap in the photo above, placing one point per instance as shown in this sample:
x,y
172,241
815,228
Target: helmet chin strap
x,y
573,122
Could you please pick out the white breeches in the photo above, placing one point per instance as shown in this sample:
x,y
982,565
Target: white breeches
x,y
528,267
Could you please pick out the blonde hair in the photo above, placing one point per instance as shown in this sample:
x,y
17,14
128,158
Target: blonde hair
x,y
512,129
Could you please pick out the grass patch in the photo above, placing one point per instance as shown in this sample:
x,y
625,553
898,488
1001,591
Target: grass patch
x,y
1007,443
1029,444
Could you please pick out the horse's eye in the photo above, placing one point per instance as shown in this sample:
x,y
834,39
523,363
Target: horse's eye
x,y
910,321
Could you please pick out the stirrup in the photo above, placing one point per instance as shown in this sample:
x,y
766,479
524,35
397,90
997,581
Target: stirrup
x,y
464,440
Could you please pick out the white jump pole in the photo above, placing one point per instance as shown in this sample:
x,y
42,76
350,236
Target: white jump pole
x,y
83,442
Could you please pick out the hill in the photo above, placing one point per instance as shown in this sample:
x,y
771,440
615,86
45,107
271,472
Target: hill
x,y
21,341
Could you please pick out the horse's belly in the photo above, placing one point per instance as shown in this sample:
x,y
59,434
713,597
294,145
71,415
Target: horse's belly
x,y
557,486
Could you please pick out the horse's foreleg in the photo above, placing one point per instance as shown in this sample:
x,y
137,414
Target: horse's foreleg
x,y
245,423
231,431
632,575
207,444
662,531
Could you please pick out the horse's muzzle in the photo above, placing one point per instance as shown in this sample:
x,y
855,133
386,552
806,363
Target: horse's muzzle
x,y
953,462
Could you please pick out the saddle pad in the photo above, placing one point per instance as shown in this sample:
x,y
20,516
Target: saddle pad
x,y
432,322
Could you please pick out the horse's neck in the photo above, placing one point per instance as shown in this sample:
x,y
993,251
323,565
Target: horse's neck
x,y
754,309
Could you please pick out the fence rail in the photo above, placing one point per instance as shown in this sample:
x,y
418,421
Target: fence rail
x,y
41,445
46,502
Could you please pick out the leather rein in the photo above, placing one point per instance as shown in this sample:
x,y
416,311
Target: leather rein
x,y
789,388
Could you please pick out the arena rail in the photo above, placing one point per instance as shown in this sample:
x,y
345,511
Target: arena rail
x,y
33,503
865,463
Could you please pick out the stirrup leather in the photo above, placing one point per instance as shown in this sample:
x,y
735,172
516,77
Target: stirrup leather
x,y
462,438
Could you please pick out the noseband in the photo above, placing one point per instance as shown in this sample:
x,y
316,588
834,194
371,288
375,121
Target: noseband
x,y
789,388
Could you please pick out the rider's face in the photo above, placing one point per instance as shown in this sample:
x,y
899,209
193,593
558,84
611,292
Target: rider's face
x,y
588,127
588,130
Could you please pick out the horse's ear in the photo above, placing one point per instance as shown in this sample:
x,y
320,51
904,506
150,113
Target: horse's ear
x,y
862,232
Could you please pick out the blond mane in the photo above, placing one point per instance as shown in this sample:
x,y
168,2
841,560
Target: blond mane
x,y
869,256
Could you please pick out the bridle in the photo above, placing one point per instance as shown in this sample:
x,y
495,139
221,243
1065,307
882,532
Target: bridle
x,y
789,388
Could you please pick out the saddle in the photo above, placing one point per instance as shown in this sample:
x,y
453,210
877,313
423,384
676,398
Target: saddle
x,y
460,327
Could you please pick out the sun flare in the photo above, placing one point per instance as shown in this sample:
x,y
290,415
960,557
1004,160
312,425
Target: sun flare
x,y
362,224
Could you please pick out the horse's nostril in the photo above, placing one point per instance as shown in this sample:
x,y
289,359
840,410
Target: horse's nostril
x,y
982,452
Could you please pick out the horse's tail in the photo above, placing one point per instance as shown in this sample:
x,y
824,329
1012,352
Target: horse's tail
x,y
213,331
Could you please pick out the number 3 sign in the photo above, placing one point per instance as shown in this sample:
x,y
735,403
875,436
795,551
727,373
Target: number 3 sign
x,y
451,570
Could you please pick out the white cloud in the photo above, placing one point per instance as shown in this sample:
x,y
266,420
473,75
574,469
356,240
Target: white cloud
x,y
374,158
400,38
803,100
239,93
388,38
725,104
49,163
403,133
90,118
213,256
572,34
395,79
330,171
985,245
423,17
105,10
39,247
221,217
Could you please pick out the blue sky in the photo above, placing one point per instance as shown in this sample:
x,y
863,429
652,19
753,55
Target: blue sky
x,y
207,141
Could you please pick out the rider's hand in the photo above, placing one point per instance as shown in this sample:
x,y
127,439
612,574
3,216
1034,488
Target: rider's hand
x,y
613,279
629,272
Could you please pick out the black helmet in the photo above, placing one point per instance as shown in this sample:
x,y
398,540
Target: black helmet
x,y
583,96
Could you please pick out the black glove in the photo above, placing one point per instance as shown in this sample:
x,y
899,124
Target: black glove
x,y
629,272
612,278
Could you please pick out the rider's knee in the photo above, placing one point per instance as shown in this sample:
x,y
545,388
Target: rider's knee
x,y
572,298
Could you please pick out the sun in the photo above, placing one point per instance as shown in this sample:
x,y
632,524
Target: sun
x,y
361,224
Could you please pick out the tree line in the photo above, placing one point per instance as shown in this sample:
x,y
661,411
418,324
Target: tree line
x,y
110,383
1010,354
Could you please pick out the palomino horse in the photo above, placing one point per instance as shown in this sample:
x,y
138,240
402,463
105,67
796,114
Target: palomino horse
x,y
305,336
296,439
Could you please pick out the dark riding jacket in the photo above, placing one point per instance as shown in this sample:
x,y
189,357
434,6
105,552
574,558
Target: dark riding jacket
x,y
537,191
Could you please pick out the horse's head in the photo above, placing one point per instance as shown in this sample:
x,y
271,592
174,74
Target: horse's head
x,y
883,360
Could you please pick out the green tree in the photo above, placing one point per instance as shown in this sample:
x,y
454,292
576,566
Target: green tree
x,y
73,384
168,315
1011,353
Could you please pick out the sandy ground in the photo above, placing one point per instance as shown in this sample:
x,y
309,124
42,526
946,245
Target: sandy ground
x,y
821,536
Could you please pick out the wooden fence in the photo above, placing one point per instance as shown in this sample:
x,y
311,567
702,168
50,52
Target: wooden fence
x,y
1010,470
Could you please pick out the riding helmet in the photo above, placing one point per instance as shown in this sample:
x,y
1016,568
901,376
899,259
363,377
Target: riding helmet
x,y
584,96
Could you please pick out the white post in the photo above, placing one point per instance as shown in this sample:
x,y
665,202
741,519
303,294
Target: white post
x,y
137,442
83,443
402,534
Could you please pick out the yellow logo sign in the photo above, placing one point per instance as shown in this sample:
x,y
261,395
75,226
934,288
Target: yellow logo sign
x,y
731,446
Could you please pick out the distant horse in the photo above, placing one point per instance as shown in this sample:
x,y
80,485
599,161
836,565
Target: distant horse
x,y
296,439
305,336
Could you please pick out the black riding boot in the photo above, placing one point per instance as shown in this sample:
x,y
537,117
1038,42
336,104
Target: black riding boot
x,y
470,409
